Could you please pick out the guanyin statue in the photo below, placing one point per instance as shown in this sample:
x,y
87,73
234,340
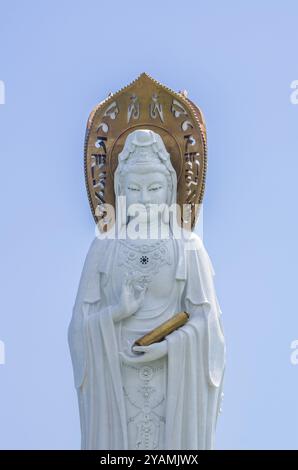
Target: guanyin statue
x,y
165,395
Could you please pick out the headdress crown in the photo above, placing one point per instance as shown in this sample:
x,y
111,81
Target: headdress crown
x,y
143,146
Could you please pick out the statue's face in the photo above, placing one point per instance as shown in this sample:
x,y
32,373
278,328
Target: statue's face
x,y
147,188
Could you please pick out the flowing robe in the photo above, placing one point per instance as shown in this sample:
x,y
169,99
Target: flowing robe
x,y
193,369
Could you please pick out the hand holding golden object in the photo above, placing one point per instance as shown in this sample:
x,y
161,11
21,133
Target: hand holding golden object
x,y
163,330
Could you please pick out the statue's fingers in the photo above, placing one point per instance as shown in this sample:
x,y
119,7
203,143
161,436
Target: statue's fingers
x,y
142,294
125,285
150,356
156,351
129,286
127,281
138,288
139,348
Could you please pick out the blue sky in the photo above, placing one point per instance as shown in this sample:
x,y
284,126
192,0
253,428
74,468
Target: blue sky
x,y
237,60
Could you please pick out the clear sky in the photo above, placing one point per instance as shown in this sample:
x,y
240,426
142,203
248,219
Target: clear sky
x,y
237,60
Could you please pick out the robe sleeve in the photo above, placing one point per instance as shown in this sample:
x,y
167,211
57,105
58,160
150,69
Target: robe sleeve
x,y
88,298
200,299
94,352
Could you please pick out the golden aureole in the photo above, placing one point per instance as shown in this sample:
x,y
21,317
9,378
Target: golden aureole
x,y
146,104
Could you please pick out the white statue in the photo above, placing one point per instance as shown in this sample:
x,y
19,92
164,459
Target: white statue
x,y
166,395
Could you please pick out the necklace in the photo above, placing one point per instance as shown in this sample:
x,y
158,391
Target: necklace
x,y
144,260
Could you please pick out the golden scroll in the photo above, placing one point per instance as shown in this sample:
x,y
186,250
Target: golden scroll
x,y
159,333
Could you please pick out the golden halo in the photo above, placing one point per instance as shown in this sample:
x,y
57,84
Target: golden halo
x,y
146,104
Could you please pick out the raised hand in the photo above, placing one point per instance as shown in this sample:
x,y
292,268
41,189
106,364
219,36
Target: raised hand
x,y
131,298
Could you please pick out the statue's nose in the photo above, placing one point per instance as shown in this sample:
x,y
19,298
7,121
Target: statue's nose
x,y
144,197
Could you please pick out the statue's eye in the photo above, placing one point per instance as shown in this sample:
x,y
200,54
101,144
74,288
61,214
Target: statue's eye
x,y
155,188
131,188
